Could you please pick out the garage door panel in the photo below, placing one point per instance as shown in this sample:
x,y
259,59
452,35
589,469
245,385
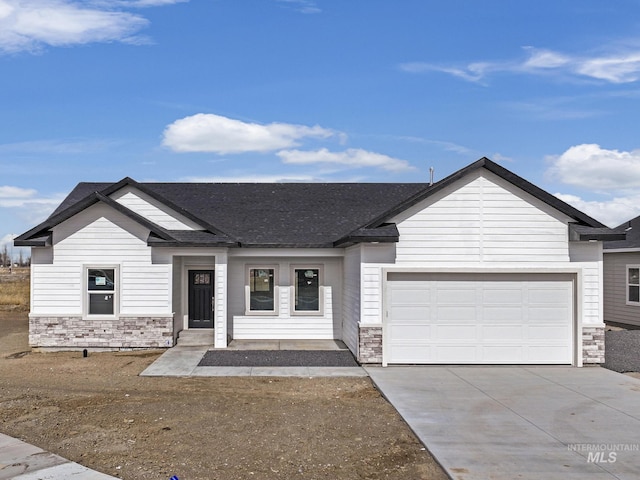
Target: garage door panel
x,y
456,313
501,353
501,333
411,296
503,296
460,332
411,353
547,354
456,295
549,315
456,354
505,314
480,318
412,333
555,294
414,314
549,333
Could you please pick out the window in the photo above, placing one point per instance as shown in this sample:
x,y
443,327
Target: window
x,y
633,284
101,291
261,290
306,282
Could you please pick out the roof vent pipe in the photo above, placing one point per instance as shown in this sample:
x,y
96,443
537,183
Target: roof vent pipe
x,y
430,176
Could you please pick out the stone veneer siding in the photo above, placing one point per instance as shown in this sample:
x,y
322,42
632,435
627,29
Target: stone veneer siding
x,y
370,344
124,332
592,345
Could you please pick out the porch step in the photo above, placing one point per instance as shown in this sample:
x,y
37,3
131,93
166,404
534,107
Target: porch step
x,y
195,338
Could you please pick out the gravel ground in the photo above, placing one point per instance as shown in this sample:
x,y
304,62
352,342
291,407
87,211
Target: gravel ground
x,y
278,358
622,350
98,412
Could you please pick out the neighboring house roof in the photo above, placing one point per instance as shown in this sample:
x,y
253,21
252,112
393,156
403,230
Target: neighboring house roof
x,y
632,241
290,214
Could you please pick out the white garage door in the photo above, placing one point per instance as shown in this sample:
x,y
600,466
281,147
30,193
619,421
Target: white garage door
x,y
479,318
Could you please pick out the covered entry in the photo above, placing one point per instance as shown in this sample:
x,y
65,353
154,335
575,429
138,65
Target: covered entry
x,y
479,318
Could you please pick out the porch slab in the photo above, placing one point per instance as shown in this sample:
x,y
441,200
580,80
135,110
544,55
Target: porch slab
x,y
183,362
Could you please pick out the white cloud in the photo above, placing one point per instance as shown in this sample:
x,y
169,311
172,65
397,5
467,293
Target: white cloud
x,y
215,133
27,203
7,192
615,67
352,157
623,68
611,212
596,168
302,6
614,173
30,25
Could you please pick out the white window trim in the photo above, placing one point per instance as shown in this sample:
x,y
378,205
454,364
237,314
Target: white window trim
x,y
627,284
85,291
320,311
247,292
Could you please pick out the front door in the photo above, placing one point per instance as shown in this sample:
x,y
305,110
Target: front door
x,y
200,298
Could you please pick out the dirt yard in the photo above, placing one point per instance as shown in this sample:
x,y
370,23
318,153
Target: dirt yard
x,y
96,411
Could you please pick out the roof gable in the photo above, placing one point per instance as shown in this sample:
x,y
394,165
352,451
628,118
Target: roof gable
x,y
503,173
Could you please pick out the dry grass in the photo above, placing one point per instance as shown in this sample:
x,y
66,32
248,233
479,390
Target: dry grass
x,y
14,289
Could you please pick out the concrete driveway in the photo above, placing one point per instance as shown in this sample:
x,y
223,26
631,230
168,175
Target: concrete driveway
x,y
510,423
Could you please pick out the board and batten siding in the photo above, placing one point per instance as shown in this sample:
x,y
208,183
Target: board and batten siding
x,y
481,219
152,210
615,288
100,236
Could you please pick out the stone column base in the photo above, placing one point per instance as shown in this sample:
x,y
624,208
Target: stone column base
x,y
369,344
592,345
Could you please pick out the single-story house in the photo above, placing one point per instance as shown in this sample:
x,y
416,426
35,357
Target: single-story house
x,y
622,277
481,267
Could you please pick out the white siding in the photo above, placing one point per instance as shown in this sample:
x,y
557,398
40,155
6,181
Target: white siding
x,y
153,210
351,297
371,281
56,289
588,256
331,321
285,325
481,219
145,290
101,236
220,295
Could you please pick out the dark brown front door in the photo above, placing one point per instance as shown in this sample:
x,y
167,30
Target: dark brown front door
x,y
200,298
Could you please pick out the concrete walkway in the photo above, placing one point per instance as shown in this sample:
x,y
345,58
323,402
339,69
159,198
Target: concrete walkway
x,y
552,423
183,362
21,461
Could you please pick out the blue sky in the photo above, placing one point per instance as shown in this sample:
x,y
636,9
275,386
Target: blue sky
x,y
318,90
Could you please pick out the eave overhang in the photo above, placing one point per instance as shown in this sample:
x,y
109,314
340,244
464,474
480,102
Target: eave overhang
x,y
582,233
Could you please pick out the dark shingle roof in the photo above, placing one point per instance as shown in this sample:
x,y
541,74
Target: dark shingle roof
x,y
281,214
632,229
292,214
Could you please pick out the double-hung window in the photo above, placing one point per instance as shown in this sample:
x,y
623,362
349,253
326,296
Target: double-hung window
x,y
101,291
307,282
633,284
261,290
